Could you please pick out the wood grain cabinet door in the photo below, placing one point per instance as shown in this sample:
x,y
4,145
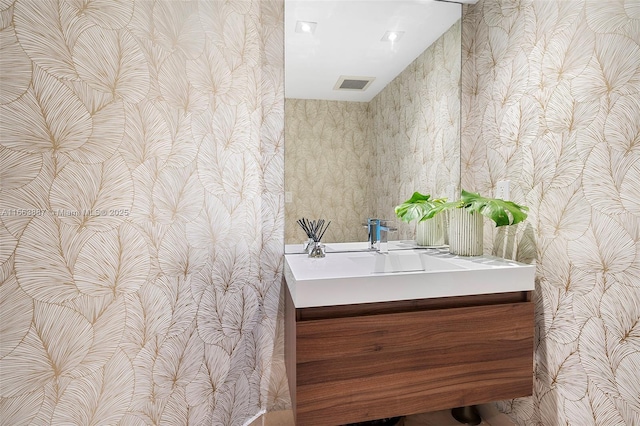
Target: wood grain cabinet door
x,y
351,369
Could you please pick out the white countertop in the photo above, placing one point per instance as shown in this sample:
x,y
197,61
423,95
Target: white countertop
x,y
348,275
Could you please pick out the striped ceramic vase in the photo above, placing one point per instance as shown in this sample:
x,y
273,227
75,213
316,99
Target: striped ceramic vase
x,y
430,232
465,233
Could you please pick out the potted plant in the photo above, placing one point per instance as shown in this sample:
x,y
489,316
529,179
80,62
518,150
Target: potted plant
x,y
465,220
429,231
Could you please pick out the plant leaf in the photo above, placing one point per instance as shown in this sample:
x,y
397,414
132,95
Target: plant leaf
x,y
500,211
442,207
418,207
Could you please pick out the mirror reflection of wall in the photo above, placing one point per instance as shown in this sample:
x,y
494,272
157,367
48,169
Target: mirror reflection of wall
x,y
349,160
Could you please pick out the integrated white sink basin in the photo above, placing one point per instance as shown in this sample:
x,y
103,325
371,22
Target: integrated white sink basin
x,y
402,261
356,276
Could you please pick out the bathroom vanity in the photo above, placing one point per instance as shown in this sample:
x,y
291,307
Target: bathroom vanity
x,y
373,335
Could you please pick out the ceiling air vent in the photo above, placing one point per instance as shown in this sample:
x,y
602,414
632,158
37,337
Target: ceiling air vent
x,y
353,83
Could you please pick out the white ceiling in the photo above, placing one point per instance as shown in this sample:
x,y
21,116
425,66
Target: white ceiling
x,y
347,41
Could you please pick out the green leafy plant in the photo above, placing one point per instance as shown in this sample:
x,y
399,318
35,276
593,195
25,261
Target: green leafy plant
x,y
500,211
417,207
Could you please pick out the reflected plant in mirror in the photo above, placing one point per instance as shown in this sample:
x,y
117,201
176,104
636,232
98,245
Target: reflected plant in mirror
x,y
353,154
429,231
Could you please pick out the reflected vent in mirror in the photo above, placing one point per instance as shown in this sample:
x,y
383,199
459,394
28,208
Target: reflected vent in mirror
x,y
353,83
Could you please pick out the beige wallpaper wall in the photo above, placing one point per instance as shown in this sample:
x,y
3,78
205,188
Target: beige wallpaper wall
x,y
551,101
364,159
141,206
141,200
416,129
327,167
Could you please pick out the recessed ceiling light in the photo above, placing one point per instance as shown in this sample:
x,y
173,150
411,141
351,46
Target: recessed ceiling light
x,y
392,35
306,27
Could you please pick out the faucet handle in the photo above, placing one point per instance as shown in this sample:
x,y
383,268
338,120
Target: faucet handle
x,y
388,225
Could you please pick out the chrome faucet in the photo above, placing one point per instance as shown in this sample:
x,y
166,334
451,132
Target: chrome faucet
x,y
378,234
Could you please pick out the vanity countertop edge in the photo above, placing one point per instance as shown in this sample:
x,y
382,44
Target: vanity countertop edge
x,y
335,280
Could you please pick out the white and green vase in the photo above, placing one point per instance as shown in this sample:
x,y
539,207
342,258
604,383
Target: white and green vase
x,y
465,233
431,232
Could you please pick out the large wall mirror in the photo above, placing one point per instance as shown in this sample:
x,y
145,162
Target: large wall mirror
x,y
372,110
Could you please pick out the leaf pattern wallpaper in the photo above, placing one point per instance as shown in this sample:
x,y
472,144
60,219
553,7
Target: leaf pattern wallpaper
x,y
142,200
346,161
551,102
416,130
142,168
328,161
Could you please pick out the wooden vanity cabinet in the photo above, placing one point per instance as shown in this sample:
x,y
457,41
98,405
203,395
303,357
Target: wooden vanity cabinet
x,y
353,363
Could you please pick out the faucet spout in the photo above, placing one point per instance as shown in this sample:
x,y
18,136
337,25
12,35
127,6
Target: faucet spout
x,y
378,234
373,227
